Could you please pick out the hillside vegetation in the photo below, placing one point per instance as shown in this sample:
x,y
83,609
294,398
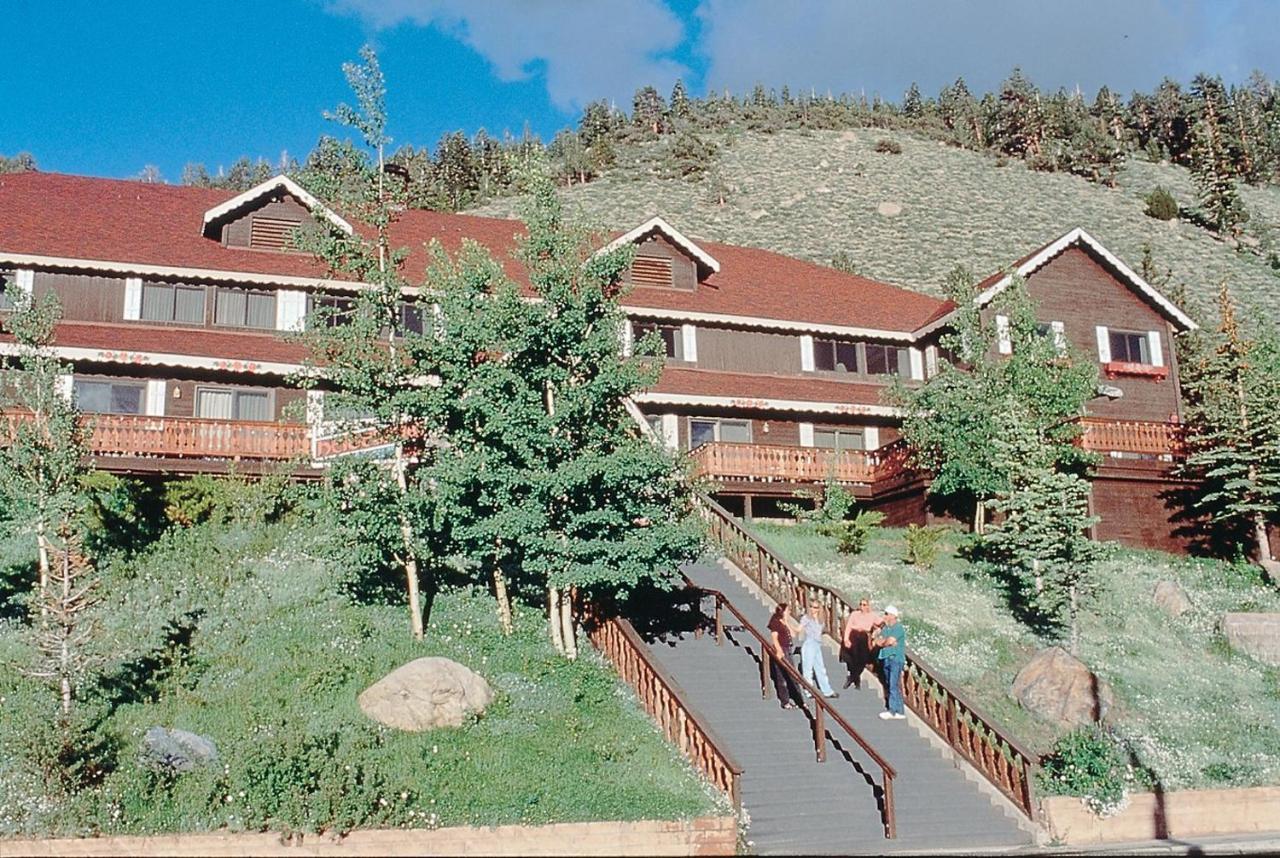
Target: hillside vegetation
x,y
818,194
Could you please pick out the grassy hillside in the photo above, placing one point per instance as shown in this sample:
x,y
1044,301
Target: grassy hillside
x,y
814,194
1195,712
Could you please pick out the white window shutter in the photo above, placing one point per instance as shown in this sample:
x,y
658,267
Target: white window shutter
x,y
871,437
930,361
1059,336
1157,352
66,386
133,298
689,333
156,389
627,336
291,309
917,363
1004,342
806,353
25,279
1104,344
806,434
671,431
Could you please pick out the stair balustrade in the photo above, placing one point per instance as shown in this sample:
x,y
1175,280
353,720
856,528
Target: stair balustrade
x,y
1003,761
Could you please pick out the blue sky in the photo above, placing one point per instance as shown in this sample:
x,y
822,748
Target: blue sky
x,y
105,88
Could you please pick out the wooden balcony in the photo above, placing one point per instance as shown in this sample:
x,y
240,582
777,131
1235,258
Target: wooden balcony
x,y
1142,439
773,463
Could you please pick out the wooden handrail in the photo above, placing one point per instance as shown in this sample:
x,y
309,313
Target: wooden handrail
x,y
822,709
724,459
1132,436
1003,761
667,704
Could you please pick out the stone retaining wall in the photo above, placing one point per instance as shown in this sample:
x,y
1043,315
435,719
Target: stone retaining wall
x,y
712,835
1153,816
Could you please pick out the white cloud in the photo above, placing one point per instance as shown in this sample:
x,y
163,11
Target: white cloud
x,y
585,50
878,46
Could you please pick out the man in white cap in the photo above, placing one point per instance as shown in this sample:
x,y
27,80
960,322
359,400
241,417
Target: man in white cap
x,y
892,641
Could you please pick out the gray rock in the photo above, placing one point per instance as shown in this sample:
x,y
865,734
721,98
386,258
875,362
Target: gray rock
x,y
1171,598
425,694
176,751
1058,687
1256,635
889,209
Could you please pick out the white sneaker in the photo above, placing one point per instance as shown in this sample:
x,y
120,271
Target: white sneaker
x,y
898,716
886,715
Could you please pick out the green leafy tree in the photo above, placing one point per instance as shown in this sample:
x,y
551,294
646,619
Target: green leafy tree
x,y
1041,538
952,422
455,171
23,162
1232,386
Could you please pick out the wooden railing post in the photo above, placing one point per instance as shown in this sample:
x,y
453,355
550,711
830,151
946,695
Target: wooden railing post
x,y
719,624
819,733
765,663
890,817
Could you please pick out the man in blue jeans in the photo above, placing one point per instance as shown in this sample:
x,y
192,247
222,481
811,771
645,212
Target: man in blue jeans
x,y
892,641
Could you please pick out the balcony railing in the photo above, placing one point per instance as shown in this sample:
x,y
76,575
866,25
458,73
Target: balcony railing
x,y
770,462
1163,440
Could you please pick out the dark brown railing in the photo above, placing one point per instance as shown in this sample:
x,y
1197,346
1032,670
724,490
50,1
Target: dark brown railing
x,y
661,697
822,710
1004,762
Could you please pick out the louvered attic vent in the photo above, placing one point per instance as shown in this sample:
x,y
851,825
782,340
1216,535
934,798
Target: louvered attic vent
x,y
651,271
271,233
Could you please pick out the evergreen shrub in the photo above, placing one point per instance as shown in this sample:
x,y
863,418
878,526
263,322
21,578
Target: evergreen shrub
x,y
1087,762
852,536
1160,204
888,147
923,544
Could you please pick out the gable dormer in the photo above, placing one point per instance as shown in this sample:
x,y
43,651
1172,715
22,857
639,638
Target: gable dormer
x,y
664,259
263,217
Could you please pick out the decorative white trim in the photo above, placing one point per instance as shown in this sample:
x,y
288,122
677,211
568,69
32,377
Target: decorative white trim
x,y
289,185
1079,236
291,309
917,363
25,279
250,367
671,431
806,353
65,385
764,404
1104,344
769,324
626,336
1004,342
871,437
930,361
1059,336
689,342
670,232
806,434
1155,347
132,299
157,388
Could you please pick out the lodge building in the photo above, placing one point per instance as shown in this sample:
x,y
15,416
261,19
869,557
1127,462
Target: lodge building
x,y
178,303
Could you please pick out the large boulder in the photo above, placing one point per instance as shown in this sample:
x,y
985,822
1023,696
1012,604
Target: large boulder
x,y
175,751
1058,687
1256,635
426,693
1171,598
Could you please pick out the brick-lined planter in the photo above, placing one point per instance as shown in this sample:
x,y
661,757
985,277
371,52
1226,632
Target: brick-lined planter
x,y
1152,816
710,835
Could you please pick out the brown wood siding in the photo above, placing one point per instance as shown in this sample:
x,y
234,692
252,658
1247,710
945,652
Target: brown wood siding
x,y
737,350
239,232
1139,512
84,297
684,272
1079,291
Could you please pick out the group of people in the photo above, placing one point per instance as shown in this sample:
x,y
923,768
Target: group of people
x,y
868,638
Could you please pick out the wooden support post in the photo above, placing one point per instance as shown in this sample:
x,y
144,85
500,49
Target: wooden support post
x,y
764,672
819,731
890,821
719,623
748,513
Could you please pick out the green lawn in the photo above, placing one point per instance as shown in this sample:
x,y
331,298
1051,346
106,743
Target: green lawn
x,y
814,194
239,634
1196,713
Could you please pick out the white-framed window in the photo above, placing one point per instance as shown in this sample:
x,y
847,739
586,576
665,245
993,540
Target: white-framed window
x,y
106,396
705,430
840,439
1130,346
233,403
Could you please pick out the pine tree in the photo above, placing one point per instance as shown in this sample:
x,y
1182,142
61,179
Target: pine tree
x,y
1171,115
1233,418
912,105
21,163
455,171
679,101
1211,169
1019,127
648,111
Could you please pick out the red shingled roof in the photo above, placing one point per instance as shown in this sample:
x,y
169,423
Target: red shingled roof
x,y
739,385
78,217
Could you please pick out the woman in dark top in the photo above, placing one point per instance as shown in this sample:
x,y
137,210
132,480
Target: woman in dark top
x,y
781,631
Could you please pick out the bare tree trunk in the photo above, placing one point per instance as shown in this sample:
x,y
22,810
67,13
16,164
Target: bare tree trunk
x,y
1075,621
410,557
1260,537
554,619
980,518
42,541
64,649
567,632
504,601
1039,579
